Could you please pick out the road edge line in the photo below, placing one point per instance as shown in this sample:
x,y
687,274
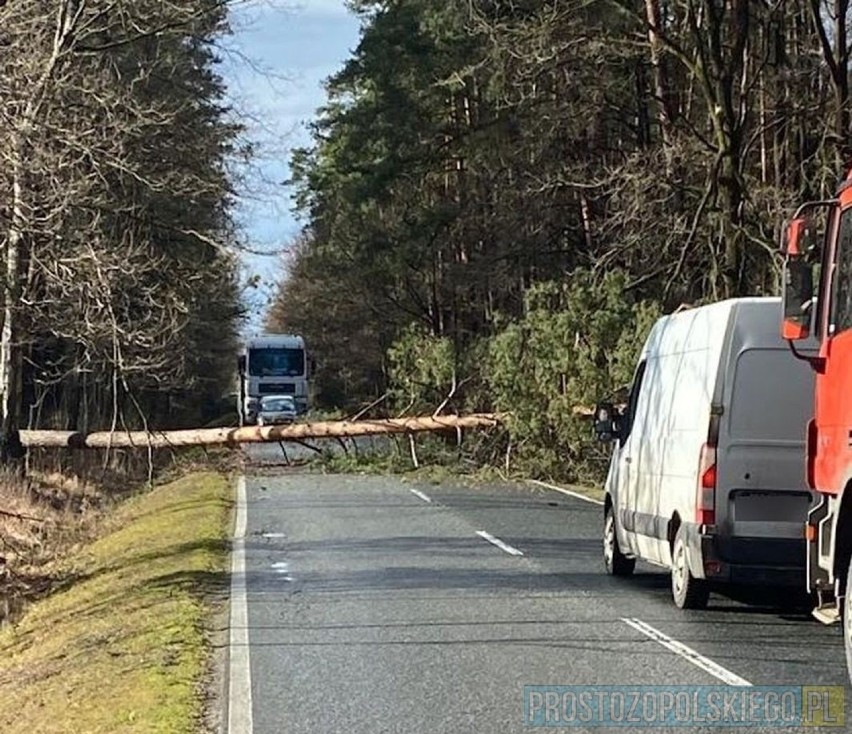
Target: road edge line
x,y
569,492
239,663
686,652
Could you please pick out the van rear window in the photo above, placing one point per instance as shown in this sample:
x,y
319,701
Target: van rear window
x,y
772,397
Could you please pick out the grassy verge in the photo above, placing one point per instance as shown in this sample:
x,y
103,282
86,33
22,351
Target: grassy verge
x,y
122,646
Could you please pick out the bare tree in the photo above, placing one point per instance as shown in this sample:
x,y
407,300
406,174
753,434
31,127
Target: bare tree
x,y
116,233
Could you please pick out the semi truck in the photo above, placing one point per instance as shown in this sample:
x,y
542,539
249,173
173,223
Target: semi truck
x,y
272,364
817,302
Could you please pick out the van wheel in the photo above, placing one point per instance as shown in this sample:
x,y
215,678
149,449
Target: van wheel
x,y
688,592
616,563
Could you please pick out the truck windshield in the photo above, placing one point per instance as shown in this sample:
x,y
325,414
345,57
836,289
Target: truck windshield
x,y
276,362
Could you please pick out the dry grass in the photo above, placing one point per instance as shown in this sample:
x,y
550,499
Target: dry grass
x,y
65,502
42,519
122,645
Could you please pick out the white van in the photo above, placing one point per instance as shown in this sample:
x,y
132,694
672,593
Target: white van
x,y
707,477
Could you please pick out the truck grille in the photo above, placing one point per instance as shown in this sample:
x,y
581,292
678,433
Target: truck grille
x,y
277,388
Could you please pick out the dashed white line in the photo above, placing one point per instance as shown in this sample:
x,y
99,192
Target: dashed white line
x,y
239,677
418,493
273,535
569,492
512,551
687,653
282,568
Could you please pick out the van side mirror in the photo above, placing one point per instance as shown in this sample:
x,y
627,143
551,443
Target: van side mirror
x,y
607,422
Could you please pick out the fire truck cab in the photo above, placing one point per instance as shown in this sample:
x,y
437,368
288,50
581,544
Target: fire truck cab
x,y
817,300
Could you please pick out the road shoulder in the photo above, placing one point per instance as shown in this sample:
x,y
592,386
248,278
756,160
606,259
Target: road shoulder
x,y
124,645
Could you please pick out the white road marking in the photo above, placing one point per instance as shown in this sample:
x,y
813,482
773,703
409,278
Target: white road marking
x,y
418,493
499,543
273,535
569,492
239,677
284,569
687,653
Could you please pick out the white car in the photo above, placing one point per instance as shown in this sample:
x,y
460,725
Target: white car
x,y
276,409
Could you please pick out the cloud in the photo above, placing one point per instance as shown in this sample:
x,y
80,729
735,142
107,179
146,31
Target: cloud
x,y
322,8
277,63
274,66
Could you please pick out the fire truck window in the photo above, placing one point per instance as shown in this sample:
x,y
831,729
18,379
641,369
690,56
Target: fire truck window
x,y
841,307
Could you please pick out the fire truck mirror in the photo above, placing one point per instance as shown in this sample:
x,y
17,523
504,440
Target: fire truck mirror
x,y
802,238
798,297
794,237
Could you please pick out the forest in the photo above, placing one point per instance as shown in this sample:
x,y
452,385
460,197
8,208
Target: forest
x,y
120,300
500,197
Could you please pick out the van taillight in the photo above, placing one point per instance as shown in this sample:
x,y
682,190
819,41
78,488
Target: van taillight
x,y
705,501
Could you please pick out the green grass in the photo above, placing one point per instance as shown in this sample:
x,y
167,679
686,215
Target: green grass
x,y
122,647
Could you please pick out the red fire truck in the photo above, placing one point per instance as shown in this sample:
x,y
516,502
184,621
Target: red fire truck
x,y
817,300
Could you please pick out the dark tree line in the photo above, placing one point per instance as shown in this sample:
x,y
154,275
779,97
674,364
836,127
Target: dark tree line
x,y
485,173
119,292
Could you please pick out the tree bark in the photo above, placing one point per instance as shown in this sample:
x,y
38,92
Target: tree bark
x,y
10,358
256,434
662,87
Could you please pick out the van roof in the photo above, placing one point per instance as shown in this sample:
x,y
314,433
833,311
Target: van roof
x,y
748,303
756,321
764,306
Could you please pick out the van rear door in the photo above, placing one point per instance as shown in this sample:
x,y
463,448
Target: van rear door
x,y
761,495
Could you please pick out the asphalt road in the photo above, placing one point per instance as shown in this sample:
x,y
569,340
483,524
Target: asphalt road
x,y
375,608
264,456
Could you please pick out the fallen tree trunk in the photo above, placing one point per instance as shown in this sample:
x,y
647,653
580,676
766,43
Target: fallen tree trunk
x,y
255,434
588,411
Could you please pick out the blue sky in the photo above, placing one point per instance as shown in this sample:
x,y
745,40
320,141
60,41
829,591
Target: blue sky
x,y
277,59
